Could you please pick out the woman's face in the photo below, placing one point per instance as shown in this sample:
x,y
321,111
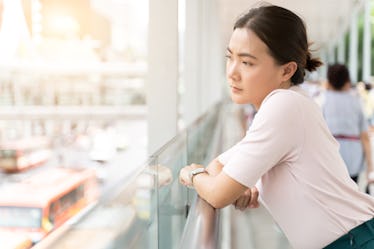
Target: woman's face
x,y
251,72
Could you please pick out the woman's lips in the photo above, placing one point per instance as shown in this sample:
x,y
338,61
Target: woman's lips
x,y
236,89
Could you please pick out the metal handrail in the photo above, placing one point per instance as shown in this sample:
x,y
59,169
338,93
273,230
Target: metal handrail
x,y
202,227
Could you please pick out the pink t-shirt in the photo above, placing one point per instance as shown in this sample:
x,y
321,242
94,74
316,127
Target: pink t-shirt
x,y
289,153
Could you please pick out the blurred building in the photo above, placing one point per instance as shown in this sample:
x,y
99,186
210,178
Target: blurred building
x,y
66,19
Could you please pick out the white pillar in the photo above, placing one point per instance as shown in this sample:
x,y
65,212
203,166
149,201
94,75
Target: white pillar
x,y
341,49
205,60
204,56
192,61
217,54
353,47
331,54
161,88
366,63
212,55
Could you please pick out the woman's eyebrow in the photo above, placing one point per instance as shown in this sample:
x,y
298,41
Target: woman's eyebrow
x,y
243,54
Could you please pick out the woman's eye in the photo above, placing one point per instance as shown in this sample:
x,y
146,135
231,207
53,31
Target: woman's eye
x,y
247,63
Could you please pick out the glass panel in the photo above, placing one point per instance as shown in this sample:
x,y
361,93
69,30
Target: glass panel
x,y
147,207
173,197
20,217
200,136
7,153
125,218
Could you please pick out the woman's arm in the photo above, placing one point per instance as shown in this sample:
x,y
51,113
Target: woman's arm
x,y
214,167
218,189
365,140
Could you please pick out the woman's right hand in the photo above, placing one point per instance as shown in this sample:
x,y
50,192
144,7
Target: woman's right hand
x,y
370,177
249,199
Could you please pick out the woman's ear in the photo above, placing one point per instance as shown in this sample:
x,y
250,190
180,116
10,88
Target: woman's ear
x,y
289,70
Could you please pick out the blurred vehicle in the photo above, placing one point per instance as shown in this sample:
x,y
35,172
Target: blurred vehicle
x,y
103,146
44,201
99,230
18,155
14,241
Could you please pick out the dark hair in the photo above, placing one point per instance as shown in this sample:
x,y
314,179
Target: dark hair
x,y
284,34
337,76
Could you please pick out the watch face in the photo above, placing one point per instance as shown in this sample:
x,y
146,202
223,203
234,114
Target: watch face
x,y
195,172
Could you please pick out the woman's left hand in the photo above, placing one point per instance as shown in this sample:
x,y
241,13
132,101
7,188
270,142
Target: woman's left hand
x,y
370,177
184,174
247,200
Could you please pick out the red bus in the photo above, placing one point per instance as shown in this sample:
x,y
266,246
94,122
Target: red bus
x,y
18,155
44,201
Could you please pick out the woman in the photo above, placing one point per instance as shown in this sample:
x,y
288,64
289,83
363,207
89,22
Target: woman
x,y
288,155
345,118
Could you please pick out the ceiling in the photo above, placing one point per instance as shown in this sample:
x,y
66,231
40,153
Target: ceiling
x,y
326,20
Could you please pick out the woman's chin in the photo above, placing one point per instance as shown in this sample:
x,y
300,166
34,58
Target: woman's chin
x,y
239,100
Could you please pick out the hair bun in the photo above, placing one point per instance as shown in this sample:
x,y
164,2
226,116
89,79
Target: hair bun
x,y
312,63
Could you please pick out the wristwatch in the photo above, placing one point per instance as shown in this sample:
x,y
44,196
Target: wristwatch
x,y
195,172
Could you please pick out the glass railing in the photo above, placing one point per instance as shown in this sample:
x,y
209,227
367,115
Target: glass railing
x,y
146,208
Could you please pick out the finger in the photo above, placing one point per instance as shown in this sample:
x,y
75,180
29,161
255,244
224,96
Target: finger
x,y
244,202
239,204
253,203
235,204
248,192
183,176
184,182
181,180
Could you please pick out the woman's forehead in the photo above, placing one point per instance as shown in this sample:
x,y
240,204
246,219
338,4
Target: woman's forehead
x,y
246,41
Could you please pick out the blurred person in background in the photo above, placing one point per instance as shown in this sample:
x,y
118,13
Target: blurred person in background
x,y
344,114
365,94
312,85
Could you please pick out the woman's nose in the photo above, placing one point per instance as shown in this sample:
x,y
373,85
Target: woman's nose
x,y
232,71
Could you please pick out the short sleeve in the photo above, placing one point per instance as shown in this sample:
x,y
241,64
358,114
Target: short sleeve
x,y
225,156
275,136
